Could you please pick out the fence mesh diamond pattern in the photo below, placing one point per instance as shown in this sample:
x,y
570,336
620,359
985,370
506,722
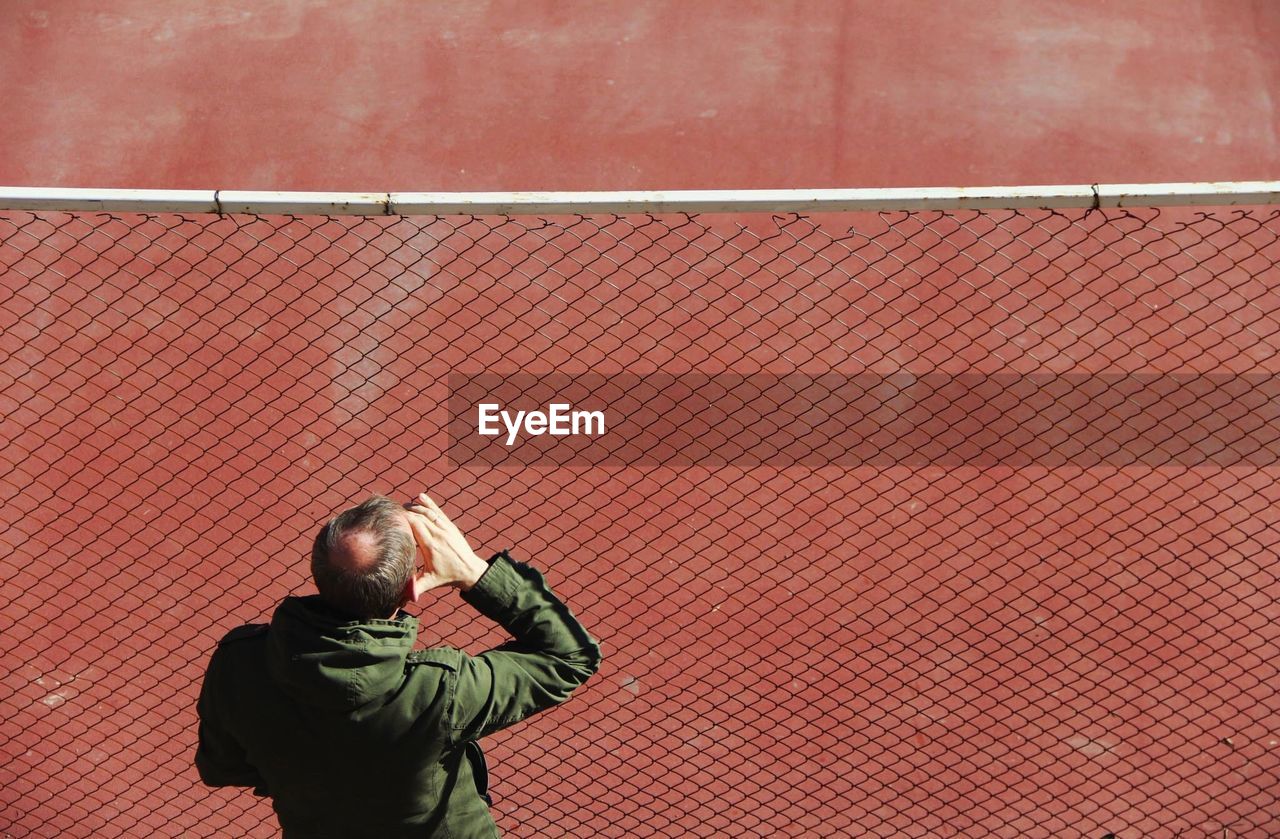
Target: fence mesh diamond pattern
x,y
1030,591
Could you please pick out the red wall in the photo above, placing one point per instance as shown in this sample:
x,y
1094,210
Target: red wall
x,y
580,95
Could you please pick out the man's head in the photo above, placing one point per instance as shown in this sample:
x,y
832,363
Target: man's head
x,y
363,559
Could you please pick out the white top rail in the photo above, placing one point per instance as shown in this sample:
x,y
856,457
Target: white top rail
x,y
674,201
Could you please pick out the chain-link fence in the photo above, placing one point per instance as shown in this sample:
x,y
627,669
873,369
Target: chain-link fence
x,y
1028,588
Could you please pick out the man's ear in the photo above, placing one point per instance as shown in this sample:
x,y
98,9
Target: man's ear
x,y
415,588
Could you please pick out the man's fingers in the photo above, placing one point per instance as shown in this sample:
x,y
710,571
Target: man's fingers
x,y
427,507
429,503
417,521
422,500
424,533
427,518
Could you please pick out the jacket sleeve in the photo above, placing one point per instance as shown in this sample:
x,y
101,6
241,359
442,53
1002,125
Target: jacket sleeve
x,y
550,656
220,759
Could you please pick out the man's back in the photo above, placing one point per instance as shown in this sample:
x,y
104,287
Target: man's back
x,y
353,734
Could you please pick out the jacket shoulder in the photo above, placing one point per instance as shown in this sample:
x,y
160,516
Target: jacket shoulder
x,y
444,657
244,633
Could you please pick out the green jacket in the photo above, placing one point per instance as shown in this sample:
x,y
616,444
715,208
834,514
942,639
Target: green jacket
x,y
353,734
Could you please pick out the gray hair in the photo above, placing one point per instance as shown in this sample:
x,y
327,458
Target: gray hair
x,y
377,590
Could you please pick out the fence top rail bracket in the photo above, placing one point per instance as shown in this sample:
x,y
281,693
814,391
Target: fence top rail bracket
x,y
1081,196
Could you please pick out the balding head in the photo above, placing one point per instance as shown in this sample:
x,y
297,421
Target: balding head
x,y
363,558
356,551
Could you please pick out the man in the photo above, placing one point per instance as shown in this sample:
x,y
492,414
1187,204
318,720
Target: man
x,y
329,711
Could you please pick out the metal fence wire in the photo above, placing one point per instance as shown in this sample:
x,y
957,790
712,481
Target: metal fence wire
x,y
1031,591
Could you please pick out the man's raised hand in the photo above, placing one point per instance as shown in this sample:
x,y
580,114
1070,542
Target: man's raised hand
x,y
446,555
